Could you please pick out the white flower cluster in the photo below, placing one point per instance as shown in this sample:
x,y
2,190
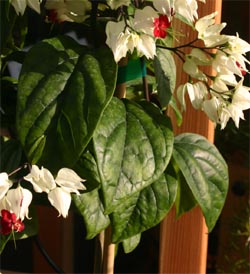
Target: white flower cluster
x,y
222,95
140,30
17,200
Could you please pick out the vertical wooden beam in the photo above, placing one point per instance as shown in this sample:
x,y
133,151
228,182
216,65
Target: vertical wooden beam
x,y
183,241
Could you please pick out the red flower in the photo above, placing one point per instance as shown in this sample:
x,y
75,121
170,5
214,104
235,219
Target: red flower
x,y
160,26
9,223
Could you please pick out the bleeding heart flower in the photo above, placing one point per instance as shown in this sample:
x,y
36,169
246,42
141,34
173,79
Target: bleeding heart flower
x,y
9,223
160,26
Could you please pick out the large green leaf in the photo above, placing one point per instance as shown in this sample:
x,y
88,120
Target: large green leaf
x,y
11,154
165,74
63,90
145,209
132,149
91,208
205,172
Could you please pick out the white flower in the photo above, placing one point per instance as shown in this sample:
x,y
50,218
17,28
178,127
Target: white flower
x,y
41,179
61,200
115,4
164,7
20,5
192,69
144,20
210,107
19,200
116,39
240,102
121,41
146,46
225,64
5,184
69,10
187,9
209,32
220,109
69,180
237,45
197,94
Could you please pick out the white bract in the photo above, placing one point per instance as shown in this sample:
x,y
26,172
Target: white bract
x,y
59,189
5,184
121,41
69,180
20,5
18,201
69,10
209,32
61,200
41,179
220,109
115,4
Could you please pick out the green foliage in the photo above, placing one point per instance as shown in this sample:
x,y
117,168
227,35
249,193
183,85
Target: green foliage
x,y
205,173
135,169
60,101
165,73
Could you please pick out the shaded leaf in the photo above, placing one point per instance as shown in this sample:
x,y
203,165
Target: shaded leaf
x,y
91,209
165,73
131,243
205,172
11,154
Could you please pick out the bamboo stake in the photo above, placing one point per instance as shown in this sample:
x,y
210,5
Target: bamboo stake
x,y
183,242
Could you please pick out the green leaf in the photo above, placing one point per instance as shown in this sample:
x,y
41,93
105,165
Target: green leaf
x,y
11,154
165,73
185,200
86,168
131,243
145,209
132,149
62,92
91,208
205,172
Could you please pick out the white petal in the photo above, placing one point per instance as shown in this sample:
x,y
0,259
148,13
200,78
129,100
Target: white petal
x,y
19,200
181,91
42,180
5,184
34,4
19,5
210,107
146,46
61,200
27,198
144,20
163,6
69,180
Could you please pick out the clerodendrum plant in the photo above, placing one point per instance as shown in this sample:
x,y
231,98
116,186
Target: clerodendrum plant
x,y
71,141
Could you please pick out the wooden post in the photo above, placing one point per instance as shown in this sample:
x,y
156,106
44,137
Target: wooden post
x,y
183,241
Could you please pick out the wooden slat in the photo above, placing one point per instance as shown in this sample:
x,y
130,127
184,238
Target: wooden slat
x,y
183,242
